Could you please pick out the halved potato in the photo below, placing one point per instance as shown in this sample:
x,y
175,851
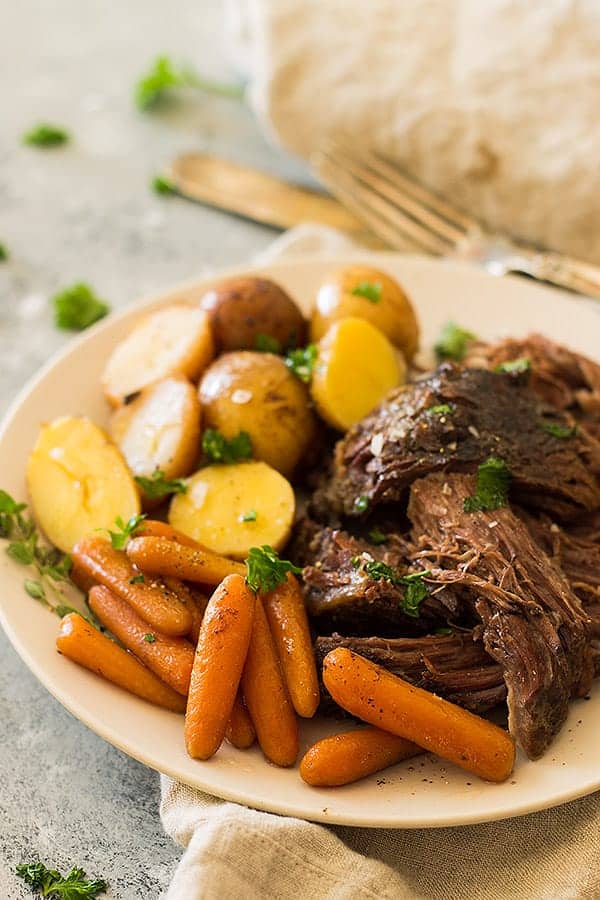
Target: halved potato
x,y
160,429
356,367
247,312
176,340
367,294
78,481
230,508
257,393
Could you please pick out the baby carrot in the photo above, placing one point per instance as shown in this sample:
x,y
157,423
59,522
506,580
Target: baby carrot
x,y
266,695
288,621
82,643
165,557
156,528
344,758
171,658
150,598
240,730
373,694
197,604
218,663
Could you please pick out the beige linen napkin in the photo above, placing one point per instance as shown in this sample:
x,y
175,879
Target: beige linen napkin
x,y
494,104
232,851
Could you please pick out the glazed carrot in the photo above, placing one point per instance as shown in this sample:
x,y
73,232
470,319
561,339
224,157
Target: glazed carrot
x,y
240,730
266,696
289,626
80,577
344,758
151,599
82,643
156,528
165,557
371,693
218,663
171,658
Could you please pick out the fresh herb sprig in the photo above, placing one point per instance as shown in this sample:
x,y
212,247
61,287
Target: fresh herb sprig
x,y
377,537
127,530
514,366
46,135
158,485
218,449
4,254
302,362
161,185
24,547
266,343
442,409
370,290
51,884
249,516
77,307
266,570
563,432
164,76
415,590
491,492
452,342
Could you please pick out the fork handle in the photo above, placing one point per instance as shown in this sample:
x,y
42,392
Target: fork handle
x,y
562,271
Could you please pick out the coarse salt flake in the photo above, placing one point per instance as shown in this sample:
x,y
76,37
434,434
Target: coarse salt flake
x,y
377,444
241,396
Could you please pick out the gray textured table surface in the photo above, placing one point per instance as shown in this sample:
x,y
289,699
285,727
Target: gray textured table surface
x,y
86,212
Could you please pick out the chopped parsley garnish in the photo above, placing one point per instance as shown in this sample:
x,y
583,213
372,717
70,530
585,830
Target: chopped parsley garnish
x,y
46,135
452,342
370,290
361,503
158,486
162,185
514,366
249,516
24,548
77,307
264,343
265,570
442,409
302,362
220,450
355,562
415,590
127,530
150,638
377,537
137,579
4,254
559,431
164,76
443,632
493,479
51,884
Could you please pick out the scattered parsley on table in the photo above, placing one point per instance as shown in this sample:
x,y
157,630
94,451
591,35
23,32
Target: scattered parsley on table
x,y
46,135
77,307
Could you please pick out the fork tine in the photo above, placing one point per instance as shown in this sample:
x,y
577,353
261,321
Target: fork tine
x,y
393,186
384,219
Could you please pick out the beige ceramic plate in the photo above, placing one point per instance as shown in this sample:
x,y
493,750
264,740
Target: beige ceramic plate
x,y
421,793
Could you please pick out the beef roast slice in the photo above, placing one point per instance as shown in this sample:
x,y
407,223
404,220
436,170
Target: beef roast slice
x,y
407,437
455,666
534,625
563,378
340,594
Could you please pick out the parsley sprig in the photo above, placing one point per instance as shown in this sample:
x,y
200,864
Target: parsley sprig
x,y
493,480
415,590
45,135
77,307
266,343
51,884
164,76
370,290
452,342
559,431
159,486
302,362
442,409
377,537
266,570
162,185
4,254
24,547
218,449
514,366
127,529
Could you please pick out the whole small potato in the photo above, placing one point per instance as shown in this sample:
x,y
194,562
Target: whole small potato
x,y
253,314
257,393
367,294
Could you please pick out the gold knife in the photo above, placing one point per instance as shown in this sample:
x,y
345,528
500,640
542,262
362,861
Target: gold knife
x,y
258,196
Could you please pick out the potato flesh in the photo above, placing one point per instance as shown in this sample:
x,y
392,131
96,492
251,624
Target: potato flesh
x,y
78,481
355,369
160,429
392,313
218,499
171,341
